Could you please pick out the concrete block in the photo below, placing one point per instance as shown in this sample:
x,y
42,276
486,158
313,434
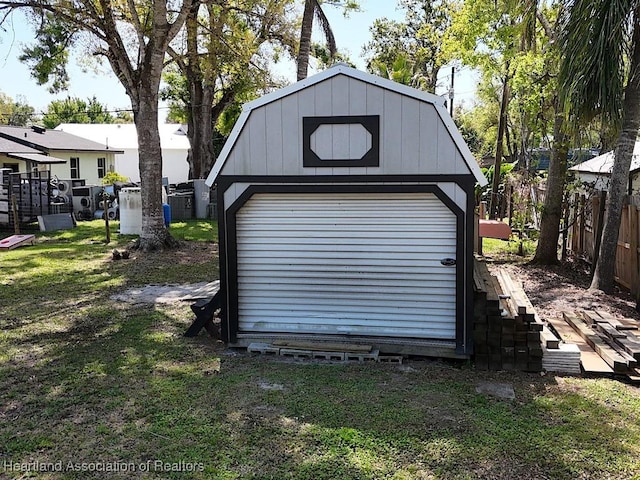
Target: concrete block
x,y
263,348
333,356
390,359
362,357
294,353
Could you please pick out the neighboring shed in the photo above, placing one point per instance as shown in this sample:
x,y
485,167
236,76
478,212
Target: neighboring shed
x,y
124,136
346,207
597,171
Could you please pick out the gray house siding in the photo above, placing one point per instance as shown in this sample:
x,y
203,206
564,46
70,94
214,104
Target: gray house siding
x,y
271,140
346,213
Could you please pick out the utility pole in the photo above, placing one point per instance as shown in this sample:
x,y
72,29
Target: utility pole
x,y
453,71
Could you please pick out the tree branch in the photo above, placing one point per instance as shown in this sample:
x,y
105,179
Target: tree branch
x,y
138,27
548,29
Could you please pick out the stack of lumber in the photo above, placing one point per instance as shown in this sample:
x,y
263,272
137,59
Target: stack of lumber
x,y
564,358
557,355
506,329
615,341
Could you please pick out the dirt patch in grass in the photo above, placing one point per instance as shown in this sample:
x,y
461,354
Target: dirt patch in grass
x,y
191,262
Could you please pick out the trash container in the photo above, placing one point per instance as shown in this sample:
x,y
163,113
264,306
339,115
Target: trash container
x,y
130,201
166,210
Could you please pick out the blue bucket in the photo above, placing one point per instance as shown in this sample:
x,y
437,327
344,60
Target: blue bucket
x,y
166,210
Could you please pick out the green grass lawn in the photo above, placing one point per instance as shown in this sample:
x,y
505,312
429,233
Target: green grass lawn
x,y
509,248
89,380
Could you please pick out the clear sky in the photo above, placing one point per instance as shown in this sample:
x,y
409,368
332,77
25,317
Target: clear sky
x,y
351,34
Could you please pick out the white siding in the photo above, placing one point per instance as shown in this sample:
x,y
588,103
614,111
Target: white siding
x,y
413,138
22,165
602,182
594,180
362,264
174,165
88,165
174,144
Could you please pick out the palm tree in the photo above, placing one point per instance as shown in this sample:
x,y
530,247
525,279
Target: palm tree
x,y
312,9
402,70
600,39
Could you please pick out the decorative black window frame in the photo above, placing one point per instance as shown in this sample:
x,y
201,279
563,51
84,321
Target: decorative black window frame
x,y
74,167
102,167
371,124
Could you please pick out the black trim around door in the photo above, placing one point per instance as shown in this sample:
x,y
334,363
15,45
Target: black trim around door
x,y
228,250
466,182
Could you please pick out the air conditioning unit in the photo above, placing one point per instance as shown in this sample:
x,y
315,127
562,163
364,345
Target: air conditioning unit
x,y
85,201
65,186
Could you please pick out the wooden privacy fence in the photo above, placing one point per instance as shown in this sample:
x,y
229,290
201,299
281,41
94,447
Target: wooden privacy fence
x,y
587,226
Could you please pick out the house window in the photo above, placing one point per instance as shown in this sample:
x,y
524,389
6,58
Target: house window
x,y
102,167
13,166
75,167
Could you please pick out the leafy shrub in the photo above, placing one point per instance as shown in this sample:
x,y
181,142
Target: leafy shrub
x,y
112,177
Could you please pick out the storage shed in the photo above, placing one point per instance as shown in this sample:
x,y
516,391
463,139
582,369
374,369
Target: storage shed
x,y
346,207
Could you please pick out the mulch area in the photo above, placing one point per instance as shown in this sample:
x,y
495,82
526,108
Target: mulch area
x,y
554,289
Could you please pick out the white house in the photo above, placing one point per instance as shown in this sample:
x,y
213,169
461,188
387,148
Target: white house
x,y
65,155
123,136
597,171
346,205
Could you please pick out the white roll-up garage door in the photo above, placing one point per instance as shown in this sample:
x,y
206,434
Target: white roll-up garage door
x,y
349,264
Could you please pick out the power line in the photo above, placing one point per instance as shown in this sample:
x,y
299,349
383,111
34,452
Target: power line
x,y
87,112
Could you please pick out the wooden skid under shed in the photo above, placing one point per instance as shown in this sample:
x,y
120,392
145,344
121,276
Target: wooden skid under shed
x,y
323,351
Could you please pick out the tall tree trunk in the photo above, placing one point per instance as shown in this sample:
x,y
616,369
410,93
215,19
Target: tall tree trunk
x,y
502,124
200,131
203,113
603,277
432,79
144,99
154,233
547,249
196,103
304,51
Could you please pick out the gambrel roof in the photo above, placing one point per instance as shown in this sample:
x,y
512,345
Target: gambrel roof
x,y
267,138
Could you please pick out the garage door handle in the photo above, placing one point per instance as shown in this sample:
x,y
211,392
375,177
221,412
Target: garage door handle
x,y
448,262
